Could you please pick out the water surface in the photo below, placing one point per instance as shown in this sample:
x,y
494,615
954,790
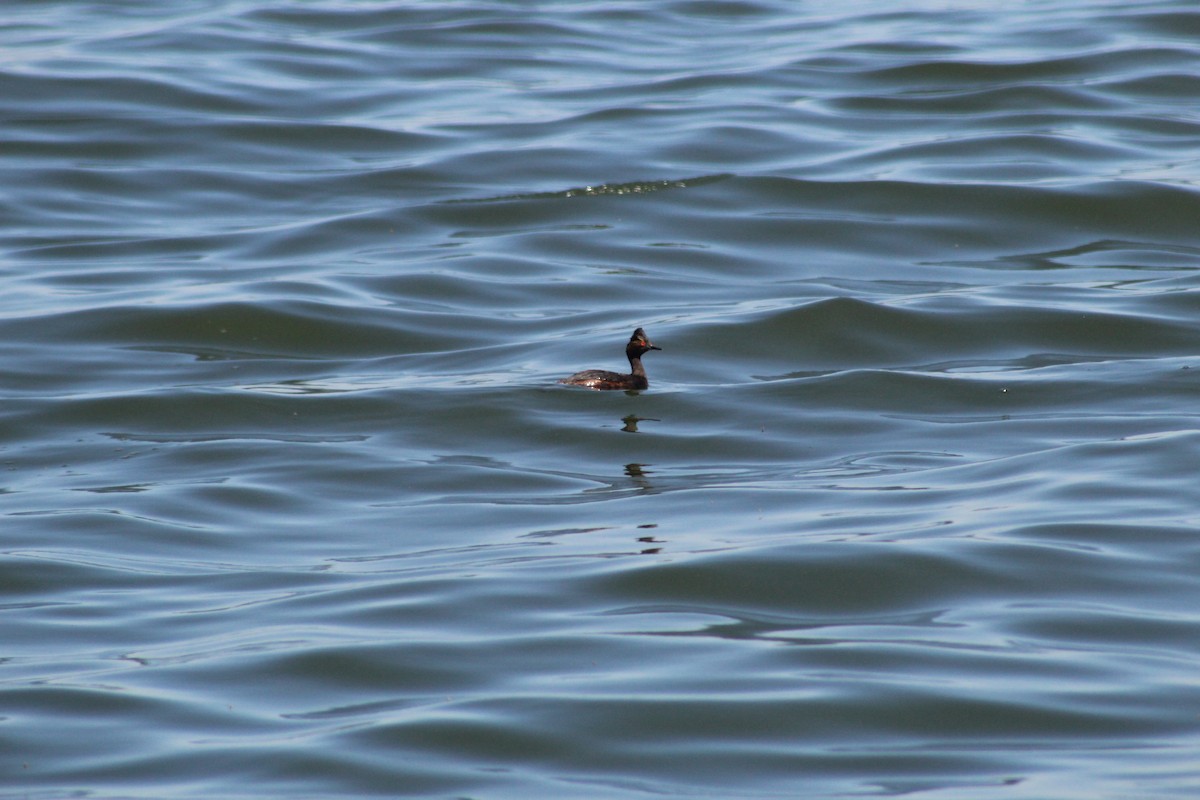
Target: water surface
x,y
294,506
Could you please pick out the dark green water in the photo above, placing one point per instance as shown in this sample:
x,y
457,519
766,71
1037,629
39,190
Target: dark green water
x,y
293,505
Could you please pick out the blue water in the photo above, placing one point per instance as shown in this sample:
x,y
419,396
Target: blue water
x,y
294,506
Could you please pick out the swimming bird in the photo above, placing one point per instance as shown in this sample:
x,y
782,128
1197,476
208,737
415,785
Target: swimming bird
x,y
603,379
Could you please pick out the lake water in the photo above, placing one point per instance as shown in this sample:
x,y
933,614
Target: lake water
x,y
293,505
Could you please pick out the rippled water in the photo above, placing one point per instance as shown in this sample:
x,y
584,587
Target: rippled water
x,y
294,506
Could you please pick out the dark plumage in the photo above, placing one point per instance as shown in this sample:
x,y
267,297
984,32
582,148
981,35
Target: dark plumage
x,y
603,379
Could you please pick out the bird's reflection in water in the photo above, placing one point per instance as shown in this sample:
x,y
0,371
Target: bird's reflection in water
x,y
641,549
639,475
637,481
631,422
649,551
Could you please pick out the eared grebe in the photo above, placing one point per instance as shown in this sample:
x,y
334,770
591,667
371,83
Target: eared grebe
x,y
603,379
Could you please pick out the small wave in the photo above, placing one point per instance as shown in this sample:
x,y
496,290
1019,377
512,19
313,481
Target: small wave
x,y
604,189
